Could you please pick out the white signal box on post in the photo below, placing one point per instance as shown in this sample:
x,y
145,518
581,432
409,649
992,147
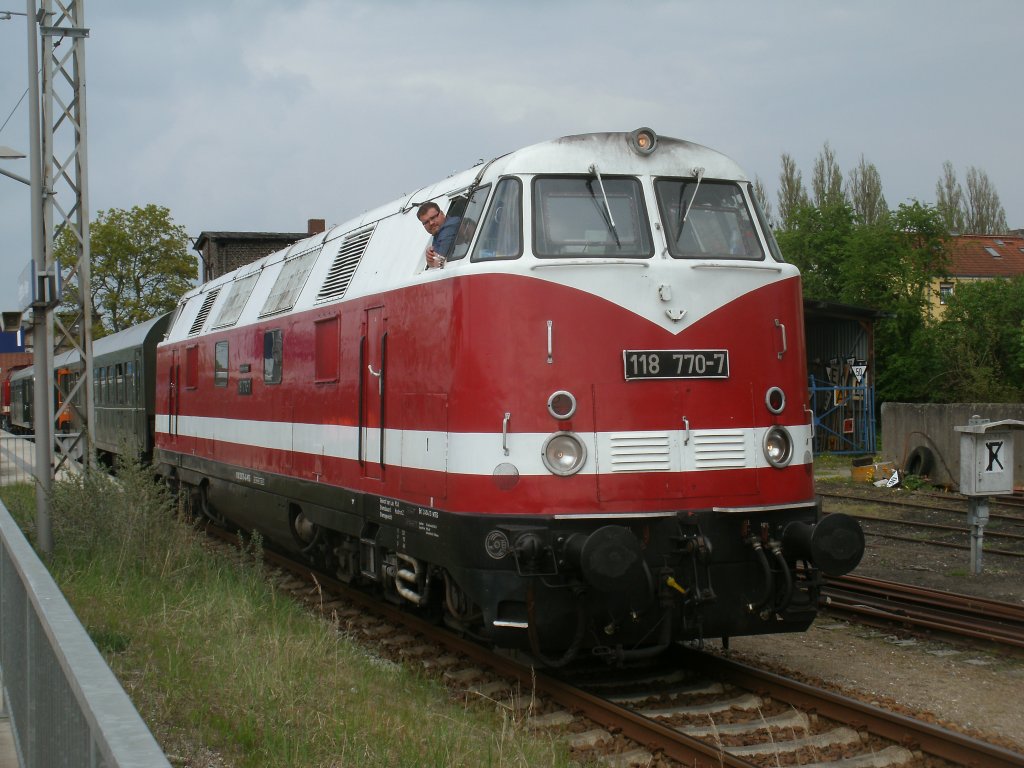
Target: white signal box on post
x,y
986,456
986,469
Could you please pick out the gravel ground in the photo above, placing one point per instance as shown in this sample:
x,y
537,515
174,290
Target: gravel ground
x,y
975,690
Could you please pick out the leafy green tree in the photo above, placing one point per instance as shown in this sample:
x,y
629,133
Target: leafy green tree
x,y
983,213
816,241
977,209
827,179
949,197
981,342
140,265
792,195
864,191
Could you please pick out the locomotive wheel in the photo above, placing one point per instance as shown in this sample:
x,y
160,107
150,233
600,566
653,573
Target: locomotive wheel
x,y
920,461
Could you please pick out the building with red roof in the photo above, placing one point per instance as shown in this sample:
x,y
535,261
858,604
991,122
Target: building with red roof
x,y
979,257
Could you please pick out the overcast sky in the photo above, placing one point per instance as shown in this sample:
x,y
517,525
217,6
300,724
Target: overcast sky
x,y
258,115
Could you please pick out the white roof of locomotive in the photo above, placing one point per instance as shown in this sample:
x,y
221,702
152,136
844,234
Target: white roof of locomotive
x,y
394,256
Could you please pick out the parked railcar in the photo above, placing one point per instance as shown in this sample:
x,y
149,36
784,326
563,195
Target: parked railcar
x,y
124,389
21,415
587,433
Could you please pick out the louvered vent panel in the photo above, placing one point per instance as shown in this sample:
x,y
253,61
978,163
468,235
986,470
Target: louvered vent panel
x,y
721,450
640,452
345,263
204,312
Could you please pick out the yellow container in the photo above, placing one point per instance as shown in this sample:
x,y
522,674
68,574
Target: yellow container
x,y
863,474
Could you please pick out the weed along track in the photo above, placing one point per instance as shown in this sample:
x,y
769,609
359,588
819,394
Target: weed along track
x,y
692,708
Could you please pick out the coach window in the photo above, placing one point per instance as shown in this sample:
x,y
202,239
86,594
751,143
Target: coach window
x,y
501,231
707,220
590,216
119,383
220,364
129,377
273,356
192,367
328,363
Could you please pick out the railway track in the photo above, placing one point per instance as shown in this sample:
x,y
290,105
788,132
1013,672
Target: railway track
x,y
927,611
1007,530
694,709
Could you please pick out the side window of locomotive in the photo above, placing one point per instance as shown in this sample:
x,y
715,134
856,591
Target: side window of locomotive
x,y
762,220
501,229
192,367
716,224
220,364
273,356
587,216
467,227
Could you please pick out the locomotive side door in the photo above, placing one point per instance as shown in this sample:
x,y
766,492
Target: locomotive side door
x,y
372,382
172,397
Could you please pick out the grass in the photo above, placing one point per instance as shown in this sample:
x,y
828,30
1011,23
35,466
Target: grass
x,y
220,665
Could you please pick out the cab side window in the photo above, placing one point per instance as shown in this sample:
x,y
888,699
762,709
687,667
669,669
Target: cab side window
x,y
273,356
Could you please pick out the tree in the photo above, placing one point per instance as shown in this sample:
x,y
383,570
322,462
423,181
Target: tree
x,y
949,199
977,210
864,191
980,343
792,194
983,213
816,242
140,265
827,179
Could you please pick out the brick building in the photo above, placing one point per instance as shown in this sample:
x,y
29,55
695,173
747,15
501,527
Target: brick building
x,y
223,252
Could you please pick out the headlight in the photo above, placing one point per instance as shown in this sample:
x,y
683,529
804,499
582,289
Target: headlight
x,y
643,141
778,447
562,405
564,453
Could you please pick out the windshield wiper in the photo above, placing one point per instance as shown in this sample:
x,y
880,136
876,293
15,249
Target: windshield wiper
x,y
699,173
607,208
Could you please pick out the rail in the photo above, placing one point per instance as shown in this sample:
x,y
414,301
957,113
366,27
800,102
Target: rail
x,y
63,704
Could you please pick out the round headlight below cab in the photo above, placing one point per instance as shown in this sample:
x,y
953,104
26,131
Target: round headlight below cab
x,y
778,447
562,405
564,453
775,400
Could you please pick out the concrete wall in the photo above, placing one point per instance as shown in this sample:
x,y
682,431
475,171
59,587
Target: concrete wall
x,y
905,426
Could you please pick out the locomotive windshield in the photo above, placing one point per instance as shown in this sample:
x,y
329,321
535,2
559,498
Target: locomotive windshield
x,y
715,224
576,217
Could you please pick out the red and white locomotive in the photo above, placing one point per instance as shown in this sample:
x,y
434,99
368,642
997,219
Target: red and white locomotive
x,y
588,432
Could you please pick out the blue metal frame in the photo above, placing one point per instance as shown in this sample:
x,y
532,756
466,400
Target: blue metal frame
x,y
844,418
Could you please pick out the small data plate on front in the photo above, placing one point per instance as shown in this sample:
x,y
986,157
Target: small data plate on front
x,y
676,363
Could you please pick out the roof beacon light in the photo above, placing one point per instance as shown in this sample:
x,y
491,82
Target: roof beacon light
x,y
643,141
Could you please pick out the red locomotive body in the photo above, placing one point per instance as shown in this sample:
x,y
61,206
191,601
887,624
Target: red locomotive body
x,y
588,431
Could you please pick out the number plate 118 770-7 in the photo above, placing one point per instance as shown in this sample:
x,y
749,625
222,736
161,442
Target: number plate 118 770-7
x,y
676,363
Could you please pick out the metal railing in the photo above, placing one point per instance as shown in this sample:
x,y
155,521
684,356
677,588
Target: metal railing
x,y
17,459
64,705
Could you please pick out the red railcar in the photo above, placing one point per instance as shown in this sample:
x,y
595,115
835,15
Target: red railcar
x,y
588,432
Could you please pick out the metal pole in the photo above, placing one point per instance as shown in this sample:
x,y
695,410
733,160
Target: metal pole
x,y
42,352
977,519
